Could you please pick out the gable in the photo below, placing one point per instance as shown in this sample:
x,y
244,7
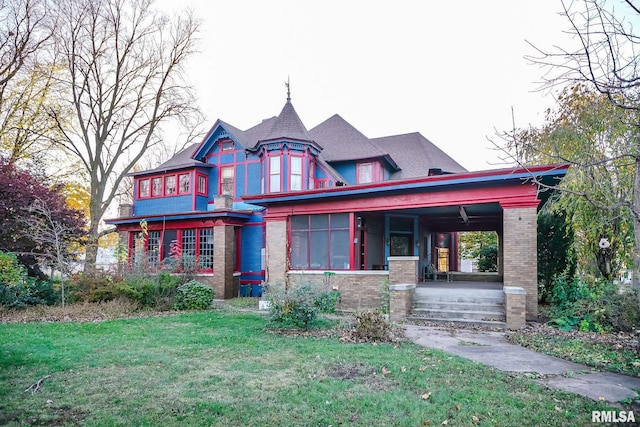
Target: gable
x,y
218,139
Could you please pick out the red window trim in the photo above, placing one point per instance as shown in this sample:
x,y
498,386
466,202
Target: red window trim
x,y
206,184
163,192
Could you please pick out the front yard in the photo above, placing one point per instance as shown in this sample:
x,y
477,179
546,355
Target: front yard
x,y
225,367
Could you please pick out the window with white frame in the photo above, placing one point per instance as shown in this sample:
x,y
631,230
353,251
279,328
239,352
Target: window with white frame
x,y
274,174
227,182
312,175
295,178
365,173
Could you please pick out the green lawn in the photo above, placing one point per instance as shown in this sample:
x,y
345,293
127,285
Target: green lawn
x,y
224,368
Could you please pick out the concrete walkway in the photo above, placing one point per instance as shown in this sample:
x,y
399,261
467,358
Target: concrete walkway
x,y
492,348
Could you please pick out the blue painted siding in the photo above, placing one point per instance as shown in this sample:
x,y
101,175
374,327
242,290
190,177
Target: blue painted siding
x,y
201,203
251,249
348,171
162,205
226,158
240,180
253,186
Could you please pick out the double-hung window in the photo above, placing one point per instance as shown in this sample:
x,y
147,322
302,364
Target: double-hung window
x,y
227,180
274,174
365,173
295,177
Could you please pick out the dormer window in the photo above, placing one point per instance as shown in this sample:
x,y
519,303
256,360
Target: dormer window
x,y
226,145
365,173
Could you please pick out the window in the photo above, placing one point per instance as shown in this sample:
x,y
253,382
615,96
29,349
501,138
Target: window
x,y
227,181
143,188
274,174
183,179
170,184
188,248
320,241
153,249
365,173
156,186
205,254
312,176
227,145
295,183
202,184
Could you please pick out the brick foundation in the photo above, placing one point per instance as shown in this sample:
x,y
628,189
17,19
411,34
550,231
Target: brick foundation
x,y
359,290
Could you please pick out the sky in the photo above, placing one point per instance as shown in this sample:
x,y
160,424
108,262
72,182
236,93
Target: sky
x,y
453,71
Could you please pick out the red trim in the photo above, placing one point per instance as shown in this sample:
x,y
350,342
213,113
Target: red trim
x,y
516,195
434,178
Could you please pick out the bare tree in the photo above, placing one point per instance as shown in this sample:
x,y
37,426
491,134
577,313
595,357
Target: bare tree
x,y
25,76
54,238
123,79
607,58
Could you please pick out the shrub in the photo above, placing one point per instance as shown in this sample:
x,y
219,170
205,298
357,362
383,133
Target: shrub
x,y
372,326
297,306
594,307
326,301
28,291
11,271
193,296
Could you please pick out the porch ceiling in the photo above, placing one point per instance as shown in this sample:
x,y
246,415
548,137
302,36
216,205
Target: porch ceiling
x,y
480,217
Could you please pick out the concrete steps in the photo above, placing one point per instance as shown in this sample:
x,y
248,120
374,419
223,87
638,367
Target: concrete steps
x,y
477,306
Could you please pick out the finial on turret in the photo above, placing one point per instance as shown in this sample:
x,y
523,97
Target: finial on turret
x,y
288,89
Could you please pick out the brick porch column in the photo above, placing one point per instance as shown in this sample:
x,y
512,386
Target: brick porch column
x,y
223,260
276,251
403,276
520,250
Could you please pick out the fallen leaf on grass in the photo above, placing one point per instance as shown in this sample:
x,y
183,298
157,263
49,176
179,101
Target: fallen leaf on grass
x,y
475,419
559,409
425,396
445,422
385,370
458,406
403,369
426,422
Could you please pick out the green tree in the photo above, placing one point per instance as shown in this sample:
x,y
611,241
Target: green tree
x,y
605,59
556,255
480,245
122,77
593,135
